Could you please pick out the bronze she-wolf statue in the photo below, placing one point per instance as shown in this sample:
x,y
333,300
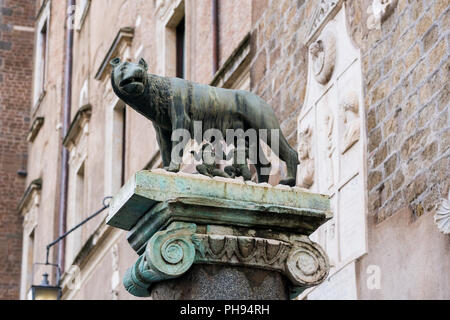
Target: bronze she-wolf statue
x,y
173,103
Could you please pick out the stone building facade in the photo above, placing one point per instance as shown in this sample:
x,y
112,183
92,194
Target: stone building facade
x,y
360,89
16,63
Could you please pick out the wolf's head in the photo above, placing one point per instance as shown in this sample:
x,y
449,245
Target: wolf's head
x,y
129,78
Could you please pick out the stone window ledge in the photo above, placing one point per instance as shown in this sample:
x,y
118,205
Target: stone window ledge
x,y
124,35
35,185
76,127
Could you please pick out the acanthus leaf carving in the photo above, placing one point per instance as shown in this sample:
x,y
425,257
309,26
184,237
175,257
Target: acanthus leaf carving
x,y
170,253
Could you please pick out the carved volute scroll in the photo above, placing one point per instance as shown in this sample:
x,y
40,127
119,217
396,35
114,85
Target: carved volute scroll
x,y
307,264
323,55
334,110
350,110
306,169
171,253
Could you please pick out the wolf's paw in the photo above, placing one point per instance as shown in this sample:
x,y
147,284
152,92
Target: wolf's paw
x,y
173,168
288,182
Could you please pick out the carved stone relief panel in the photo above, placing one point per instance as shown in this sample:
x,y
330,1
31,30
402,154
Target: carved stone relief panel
x,y
350,122
306,136
350,109
333,111
327,116
306,157
352,231
328,236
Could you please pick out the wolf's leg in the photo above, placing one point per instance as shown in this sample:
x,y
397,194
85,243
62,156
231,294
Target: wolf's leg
x,y
290,156
262,166
202,169
163,138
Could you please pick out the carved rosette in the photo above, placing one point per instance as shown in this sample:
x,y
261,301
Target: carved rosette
x,y
323,56
306,168
171,253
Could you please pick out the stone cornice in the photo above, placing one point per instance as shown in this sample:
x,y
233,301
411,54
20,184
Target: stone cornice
x,y
35,185
124,35
170,12
35,128
237,61
82,115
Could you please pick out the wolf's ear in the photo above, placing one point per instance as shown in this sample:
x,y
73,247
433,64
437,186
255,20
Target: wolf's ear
x,y
143,64
115,62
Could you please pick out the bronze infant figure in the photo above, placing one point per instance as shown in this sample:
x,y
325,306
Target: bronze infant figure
x,y
173,103
209,166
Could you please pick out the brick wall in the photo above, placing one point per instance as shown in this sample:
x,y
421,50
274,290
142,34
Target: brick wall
x,y
405,75
16,50
406,67
279,66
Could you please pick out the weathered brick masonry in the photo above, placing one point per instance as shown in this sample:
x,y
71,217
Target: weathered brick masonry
x,y
16,61
406,71
405,75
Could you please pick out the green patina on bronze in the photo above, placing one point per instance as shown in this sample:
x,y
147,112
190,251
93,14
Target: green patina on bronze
x,y
149,188
209,166
171,252
173,103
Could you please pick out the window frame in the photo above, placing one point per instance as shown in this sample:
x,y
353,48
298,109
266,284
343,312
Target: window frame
x,y
81,13
40,76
